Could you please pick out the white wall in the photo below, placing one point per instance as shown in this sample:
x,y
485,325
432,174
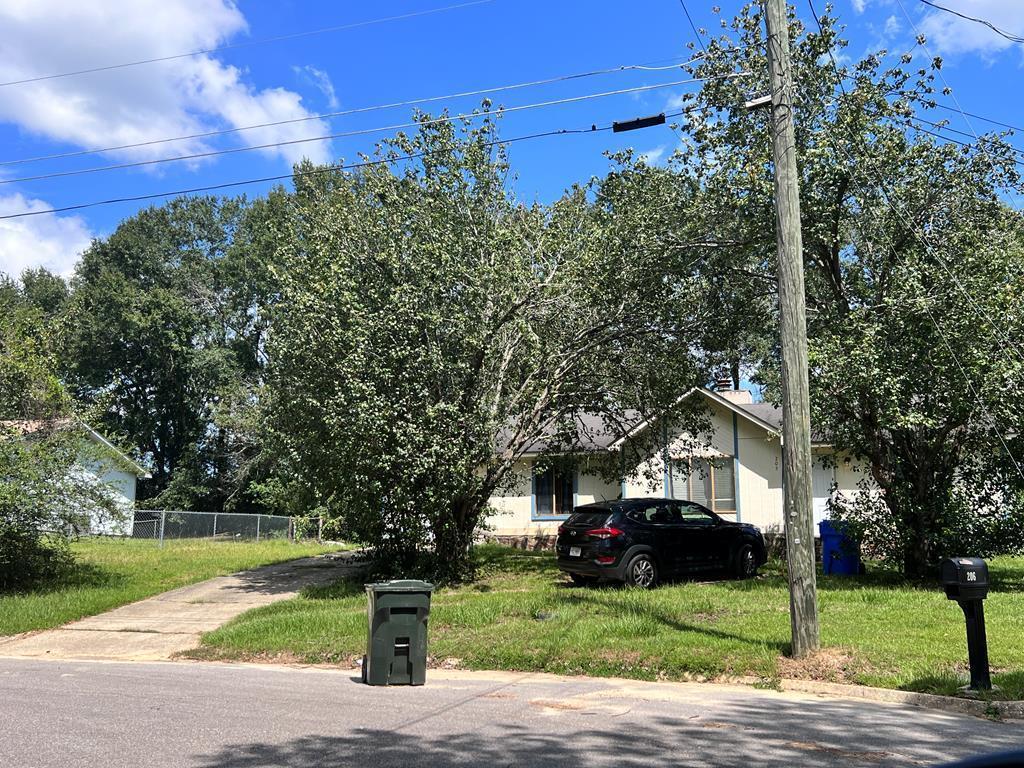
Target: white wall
x,y
120,484
513,509
758,477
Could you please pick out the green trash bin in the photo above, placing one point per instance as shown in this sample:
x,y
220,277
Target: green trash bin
x,y
396,648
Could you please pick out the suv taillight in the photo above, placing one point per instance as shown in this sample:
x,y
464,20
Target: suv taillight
x,y
604,533
561,529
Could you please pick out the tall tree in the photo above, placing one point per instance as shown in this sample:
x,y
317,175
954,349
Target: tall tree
x,y
161,334
431,330
914,273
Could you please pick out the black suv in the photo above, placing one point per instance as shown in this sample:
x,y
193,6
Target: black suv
x,y
639,541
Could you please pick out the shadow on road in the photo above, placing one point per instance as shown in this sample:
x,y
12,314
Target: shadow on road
x,y
598,732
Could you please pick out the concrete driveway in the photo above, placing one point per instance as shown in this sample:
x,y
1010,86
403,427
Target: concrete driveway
x,y
160,626
199,715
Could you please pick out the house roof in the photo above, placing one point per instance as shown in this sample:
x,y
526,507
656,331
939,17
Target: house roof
x,y
772,414
596,434
31,426
593,432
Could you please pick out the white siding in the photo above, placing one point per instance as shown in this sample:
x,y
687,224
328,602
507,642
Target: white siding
x,y
121,485
513,510
758,479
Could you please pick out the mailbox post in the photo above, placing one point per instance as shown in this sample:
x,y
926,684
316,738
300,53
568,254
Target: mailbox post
x,y
965,580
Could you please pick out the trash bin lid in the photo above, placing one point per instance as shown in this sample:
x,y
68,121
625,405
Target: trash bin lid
x,y
401,585
832,527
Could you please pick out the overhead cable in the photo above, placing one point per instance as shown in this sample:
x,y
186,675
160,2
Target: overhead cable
x,y
353,111
244,44
359,132
301,174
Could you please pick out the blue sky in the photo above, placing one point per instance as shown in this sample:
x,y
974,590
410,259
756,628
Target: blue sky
x,y
491,43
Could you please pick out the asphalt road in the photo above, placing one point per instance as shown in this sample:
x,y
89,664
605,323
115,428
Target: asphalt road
x,y
80,713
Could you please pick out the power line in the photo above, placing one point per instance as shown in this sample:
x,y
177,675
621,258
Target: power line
x,y
1013,38
354,111
692,25
956,101
974,391
910,122
933,103
246,43
359,132
298,174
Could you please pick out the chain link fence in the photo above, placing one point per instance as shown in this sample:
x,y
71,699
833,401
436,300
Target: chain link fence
x,y
164,524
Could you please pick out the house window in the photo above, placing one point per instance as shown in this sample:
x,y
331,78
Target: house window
x,y
553,492
711,482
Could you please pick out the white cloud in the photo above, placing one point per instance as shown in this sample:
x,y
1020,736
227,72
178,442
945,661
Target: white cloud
x,y
675,101
151,101
892,26
47,240
859,5
652,156
320,80
950,34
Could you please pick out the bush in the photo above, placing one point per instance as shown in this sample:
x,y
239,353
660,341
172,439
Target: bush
x,y
45,500
977,520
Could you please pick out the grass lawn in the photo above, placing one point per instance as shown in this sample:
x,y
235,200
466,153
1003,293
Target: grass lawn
x,y
523,615
112,572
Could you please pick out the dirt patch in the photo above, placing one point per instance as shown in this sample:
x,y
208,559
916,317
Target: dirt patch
x,y
810,746
206,653
567,706
718,724
446,663
832,665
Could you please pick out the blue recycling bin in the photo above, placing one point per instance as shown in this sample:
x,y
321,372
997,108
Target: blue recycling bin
x,y
840,554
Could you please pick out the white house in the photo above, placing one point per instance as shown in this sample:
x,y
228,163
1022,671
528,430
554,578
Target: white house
x,y
99,461
105,463
738,474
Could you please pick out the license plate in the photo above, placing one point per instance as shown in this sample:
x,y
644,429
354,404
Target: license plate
x,y
574,551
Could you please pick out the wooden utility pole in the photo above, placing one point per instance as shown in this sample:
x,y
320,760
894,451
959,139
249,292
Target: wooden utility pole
x,y
796,410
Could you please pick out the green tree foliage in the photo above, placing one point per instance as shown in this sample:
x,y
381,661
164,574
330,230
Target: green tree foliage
x,y
914,274
29,385
166,342
431,330
42,496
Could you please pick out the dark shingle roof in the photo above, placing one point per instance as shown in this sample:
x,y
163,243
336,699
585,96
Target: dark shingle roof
x,y
772,414
593,432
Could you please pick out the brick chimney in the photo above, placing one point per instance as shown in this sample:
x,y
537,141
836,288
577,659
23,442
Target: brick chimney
x,y
723,386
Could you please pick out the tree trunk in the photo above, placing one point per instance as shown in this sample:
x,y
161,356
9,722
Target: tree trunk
x,y
454,539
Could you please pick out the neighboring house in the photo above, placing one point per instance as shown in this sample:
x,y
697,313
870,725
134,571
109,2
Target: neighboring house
x,y
738,474
100,461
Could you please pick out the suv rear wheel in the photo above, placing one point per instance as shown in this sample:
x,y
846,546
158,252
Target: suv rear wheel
x,y
642,572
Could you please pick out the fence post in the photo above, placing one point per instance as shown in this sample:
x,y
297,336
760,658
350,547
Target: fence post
x,y
163,519
291,530
258,518
215,525
320,531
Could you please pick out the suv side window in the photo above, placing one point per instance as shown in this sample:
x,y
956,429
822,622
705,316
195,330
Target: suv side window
x,y
694,515
659,514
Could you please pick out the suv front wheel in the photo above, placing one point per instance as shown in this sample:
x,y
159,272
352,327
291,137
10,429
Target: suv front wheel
x,y
641,572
